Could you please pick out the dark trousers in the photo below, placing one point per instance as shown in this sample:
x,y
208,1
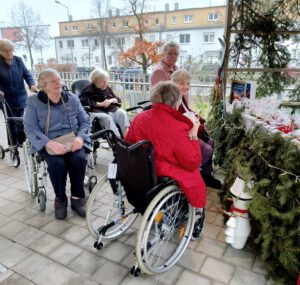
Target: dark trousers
x,y
207,151
15,127
59,166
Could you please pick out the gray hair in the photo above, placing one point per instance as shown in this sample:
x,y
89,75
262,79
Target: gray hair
x,y
165,92
43,75
98,74
169,45
181,75
6,45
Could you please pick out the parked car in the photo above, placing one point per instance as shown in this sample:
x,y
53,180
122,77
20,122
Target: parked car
x,y
116,72
135,75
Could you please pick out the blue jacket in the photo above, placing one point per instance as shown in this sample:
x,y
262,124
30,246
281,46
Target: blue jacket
x,y
64,118
12,82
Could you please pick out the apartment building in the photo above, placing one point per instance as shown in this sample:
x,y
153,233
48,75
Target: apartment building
x,y
196,30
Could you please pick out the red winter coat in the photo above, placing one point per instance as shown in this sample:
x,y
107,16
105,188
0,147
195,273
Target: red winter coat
x,y
176,156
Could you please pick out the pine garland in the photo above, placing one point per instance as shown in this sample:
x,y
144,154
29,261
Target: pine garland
x,y
273,165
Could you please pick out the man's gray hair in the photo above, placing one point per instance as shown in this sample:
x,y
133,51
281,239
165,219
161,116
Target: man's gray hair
x,y
169,45
98,73
165,92
43,76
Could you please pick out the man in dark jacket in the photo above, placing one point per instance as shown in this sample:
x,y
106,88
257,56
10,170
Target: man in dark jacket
x,y
13,72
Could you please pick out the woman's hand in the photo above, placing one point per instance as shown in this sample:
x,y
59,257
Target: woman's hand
x,y
194,131
77,144
33,88
107,102
57,148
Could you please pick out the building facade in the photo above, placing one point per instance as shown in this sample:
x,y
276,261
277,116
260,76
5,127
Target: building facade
x,y
196,30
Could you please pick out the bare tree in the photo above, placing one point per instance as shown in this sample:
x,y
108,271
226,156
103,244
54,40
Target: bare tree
x,y
34,33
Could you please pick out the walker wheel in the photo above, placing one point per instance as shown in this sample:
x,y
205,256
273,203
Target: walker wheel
x,y
135,271
42,200
2,152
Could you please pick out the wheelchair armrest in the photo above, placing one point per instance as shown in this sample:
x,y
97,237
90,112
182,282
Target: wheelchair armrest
x,y
133,108
137,145
101,133
143,102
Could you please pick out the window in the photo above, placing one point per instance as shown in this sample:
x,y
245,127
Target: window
x,y
113,24
70,43
209,37
121,41
97,59
184,38
213,16
125,23
75,59
90,27
96,42
188,19
156,21
108,42
174,20
146,22
85,43
66,28
109,60
168,37
74,28
60,44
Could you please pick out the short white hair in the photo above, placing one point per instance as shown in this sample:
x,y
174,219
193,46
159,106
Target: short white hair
x,y
98,73
43,76
6,45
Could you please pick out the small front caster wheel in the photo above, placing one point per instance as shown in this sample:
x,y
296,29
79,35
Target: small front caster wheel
x,y
99,246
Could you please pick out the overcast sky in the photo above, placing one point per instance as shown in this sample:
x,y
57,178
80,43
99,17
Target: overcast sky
x,y
52,13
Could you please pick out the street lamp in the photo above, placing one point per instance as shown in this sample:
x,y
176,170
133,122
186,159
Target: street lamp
x,y
69,16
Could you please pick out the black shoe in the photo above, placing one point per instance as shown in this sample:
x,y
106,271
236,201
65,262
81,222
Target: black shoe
x,y
78,205
60,209
198,226
211,182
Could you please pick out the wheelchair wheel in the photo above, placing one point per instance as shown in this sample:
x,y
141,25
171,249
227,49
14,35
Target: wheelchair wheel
x,y
103,202
30,171
42,198
2,152
165,231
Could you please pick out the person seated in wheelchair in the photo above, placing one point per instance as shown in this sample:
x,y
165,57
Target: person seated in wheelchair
x,y
104,104
182,79
51,113
174,138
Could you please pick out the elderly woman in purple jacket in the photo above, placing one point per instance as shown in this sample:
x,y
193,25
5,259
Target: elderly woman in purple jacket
x,y
12,75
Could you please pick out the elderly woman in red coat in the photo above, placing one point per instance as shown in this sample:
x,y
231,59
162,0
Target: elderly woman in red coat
x,y
174,137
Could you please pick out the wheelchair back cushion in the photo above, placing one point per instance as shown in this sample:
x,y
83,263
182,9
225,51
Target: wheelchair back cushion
x,y
136,172
77,86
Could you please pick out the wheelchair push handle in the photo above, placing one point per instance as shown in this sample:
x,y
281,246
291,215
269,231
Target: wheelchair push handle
x,y
138,144
101,133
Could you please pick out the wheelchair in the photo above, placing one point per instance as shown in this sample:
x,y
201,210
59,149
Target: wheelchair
x,y
131,188
36,175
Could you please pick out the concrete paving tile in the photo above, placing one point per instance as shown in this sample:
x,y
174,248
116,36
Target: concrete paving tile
x,y
87,263
33,266
22,197
259,266
219,220
129,260
16,279
245,277
77,279
13,254
213,195
24,214
115,251
210,216
28,235
217,270
141,280
39,220
241,257
5,243
88,244
188,277
45,244
10,208
170,276
75,234
211,247
5,275
76,220
211,231
3,202
192,260
12,228
4,220
56,227
110,274
65,253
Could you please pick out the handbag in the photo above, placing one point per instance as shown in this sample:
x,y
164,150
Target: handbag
x,y
66,139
